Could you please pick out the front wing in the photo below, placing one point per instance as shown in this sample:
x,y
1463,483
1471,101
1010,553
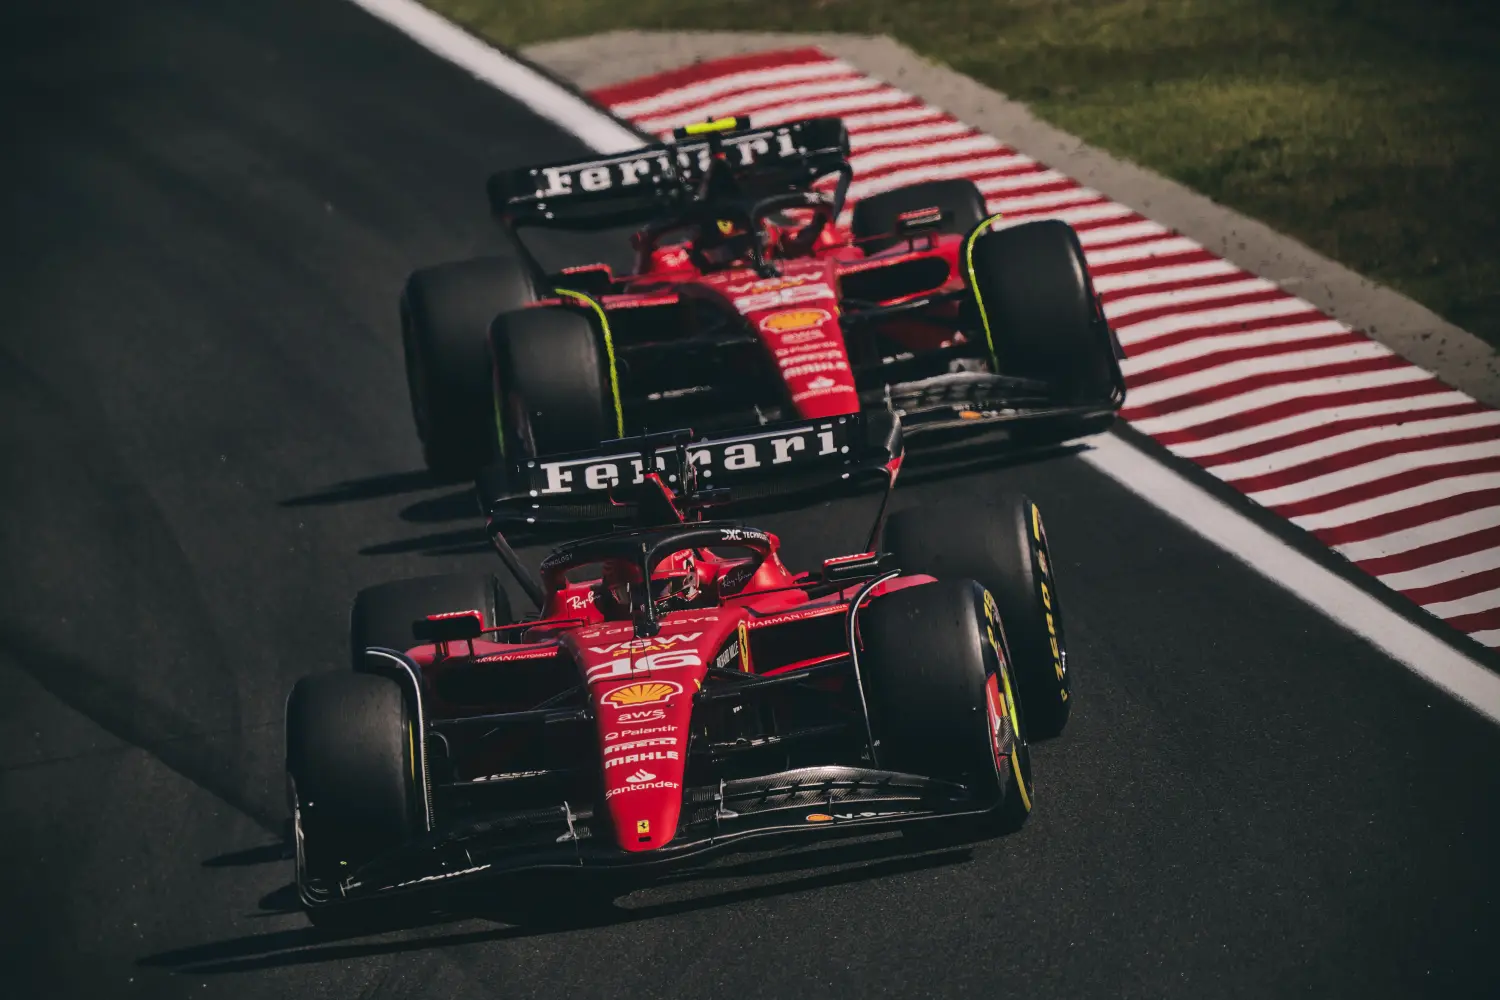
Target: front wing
x,y
808,802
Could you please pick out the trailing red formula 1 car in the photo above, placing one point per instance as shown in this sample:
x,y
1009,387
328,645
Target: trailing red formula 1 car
x,y
680,691
748,306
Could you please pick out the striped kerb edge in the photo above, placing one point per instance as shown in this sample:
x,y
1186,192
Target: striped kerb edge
x,y
1375,457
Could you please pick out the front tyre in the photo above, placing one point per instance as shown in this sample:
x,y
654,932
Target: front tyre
x,y
353,778
1036,301
1002,543
941,694
552,378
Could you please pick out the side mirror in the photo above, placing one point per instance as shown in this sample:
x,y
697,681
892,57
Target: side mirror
x,y
859,566
451,626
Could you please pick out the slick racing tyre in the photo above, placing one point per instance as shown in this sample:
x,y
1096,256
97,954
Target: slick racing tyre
x,y
353,779
553,382
1002,543
1036,300
383,615
876,215
941,697
445,320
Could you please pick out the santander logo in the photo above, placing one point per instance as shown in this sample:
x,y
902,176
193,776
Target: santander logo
x,y
640,776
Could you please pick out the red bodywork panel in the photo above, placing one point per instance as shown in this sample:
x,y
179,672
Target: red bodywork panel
x,y
796,314
641,690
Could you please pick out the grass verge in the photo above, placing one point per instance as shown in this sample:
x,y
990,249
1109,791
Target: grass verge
x,y
1365,128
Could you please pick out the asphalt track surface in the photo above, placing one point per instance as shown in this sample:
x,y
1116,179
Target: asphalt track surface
x,y
206,449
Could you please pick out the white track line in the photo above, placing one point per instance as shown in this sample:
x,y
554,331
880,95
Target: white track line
x,y
710,89
1217,343
1185,502
1129,305
1217,375
1442,572
1243,403
908,134
1369,472
1390,503
1407,539
1164,275
751,101
1105,235
1142,251
918,152
857,123
1489,638
1221,443
1487,601
519,81
1350,440
1336,597
1132,334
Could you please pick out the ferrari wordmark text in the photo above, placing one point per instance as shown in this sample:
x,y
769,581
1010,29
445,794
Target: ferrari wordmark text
x,y
730,455
643,168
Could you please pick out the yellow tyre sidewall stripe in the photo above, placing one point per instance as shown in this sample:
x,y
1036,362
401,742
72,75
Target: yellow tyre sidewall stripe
x,y
1015,756
609,351
984,318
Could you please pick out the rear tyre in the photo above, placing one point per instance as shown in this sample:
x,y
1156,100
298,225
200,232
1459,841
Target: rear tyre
x,y
553,380
1034,292
1002,543
445,320
352,773
382,615
941,697
876,215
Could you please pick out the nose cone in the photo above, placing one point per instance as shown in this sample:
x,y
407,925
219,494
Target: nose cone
x,y
643,736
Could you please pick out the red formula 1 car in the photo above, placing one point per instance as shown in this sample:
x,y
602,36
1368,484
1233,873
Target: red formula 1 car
x,y
680,691
749,308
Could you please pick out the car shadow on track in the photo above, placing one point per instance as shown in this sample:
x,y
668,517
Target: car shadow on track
x,y
388,484
528,914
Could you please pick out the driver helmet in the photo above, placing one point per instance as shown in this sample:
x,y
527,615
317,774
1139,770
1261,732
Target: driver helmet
x,y
676,580
725,243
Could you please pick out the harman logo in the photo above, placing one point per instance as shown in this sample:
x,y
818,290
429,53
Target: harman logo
x,y
728,455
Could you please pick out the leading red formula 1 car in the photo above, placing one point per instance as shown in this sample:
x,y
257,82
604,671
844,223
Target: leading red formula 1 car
x,y
750,305
680,691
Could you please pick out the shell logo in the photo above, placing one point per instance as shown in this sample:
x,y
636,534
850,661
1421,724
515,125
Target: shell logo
x,y
795,319
644,693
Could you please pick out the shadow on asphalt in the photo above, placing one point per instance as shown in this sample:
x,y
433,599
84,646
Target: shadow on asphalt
x,y
369,488
538,912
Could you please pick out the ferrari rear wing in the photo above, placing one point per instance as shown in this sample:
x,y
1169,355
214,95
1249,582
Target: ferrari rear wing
x,y
643,185
852,450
